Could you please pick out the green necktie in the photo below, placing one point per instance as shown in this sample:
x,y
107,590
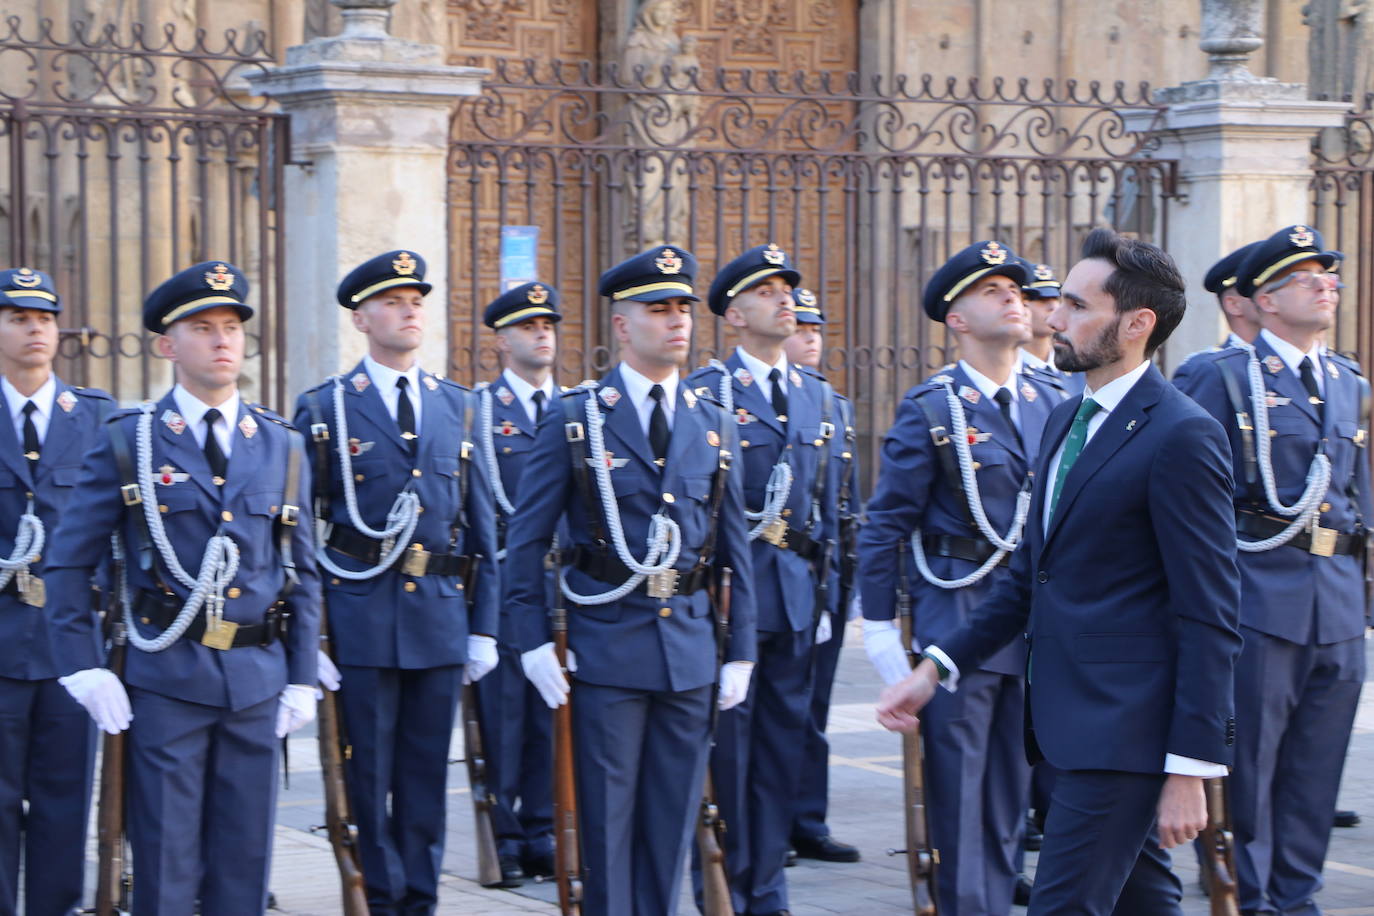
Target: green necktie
x,y
1073,447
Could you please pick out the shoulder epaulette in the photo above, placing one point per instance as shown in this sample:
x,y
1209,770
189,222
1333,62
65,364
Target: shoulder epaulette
x,y
266,414
123,412
1042,377
95,394
813,372
1349,363
1208,352
1220,353
448,382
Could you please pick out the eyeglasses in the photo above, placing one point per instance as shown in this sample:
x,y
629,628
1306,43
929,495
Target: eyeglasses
x,y
1307,279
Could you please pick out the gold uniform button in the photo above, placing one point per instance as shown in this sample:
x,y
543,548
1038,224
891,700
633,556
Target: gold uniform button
x,y
234,592
227,516
409,586
1326,507
162,508
744,443
818,442
669,498
272,510
334,581
358,477
145,620
786,513
415,472
977,465
665,612
505,451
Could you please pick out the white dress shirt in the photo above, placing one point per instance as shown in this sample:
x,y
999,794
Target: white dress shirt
x,y
42,401
524,392
1292,356
193,410
989,389
637,388
760,371
385,378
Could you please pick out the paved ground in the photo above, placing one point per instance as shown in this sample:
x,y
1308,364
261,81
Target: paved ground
x,y
865,810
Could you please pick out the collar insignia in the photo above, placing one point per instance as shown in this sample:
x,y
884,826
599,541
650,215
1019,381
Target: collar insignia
x,y
794,378
248,426
431,382
360,382
1029,393
66,400
745,378
505,395
1273,364
175,422
689,398
609,396
972,395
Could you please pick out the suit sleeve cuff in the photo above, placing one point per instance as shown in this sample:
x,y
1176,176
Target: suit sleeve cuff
x,y
951,682
1190,766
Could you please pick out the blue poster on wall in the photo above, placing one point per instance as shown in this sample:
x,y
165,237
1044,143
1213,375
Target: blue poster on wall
x,y
519,255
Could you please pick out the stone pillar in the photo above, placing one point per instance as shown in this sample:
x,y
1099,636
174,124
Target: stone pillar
x,y
1243,146
369,127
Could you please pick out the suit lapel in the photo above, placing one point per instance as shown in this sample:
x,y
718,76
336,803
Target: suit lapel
x,y
985,415
623,420
368,403
180,449
515,411
687,433
1340,397
1285,382
434,416
804,404
751,396
1034,416
246,455
11,448
62,432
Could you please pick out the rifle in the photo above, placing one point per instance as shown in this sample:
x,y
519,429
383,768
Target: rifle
x,y
715,880
113,883
566,842
483,801
338,814
921,858
1218,851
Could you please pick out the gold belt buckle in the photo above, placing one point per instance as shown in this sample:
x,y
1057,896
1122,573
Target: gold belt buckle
x,y
662,584
1323,542
417,561
221,637
33,592
776,533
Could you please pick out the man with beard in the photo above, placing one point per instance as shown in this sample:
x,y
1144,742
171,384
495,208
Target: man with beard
x,y
1302,506
947,543
1127,591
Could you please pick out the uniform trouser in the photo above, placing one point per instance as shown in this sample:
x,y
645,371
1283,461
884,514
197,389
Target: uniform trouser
x,y
202,801
977,775
399,723
47,750
1295,708
814,796
1101,854
757,770
517,724
639,761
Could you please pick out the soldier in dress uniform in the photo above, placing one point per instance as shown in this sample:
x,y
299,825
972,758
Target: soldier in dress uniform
x,y
515,718
47,742
1241,315
787,422
931,531
411,583
1041,293
208,497
645,470
810,835
1302,499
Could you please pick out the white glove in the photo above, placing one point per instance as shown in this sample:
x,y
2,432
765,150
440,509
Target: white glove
x,y
543,671
103,696
824,629
734,683
327,672
296,708
482,658
883,641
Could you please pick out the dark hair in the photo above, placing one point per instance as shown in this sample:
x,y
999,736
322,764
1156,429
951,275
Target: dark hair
x,y
1145,278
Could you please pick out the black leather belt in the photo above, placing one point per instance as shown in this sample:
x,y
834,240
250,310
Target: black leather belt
x,y
1257,526
161,610
785,537
413,561
11,587
604,566
973,550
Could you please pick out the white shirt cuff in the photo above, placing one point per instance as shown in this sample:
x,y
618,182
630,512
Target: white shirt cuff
x,y
1190,766
950,683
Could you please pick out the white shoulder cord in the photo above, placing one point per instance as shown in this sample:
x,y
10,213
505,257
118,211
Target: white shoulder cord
x,y
664,533
401,520
218,565
1305,510
28,545
779,479
487,443
959,439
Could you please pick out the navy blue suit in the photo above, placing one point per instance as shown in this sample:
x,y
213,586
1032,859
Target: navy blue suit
x,y
645,665
755,764
401,640
1303,618
515,719
974,753
1129,602
202,745
47,742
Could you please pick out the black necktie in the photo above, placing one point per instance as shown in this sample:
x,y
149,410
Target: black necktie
x,y
214,455
658,426
31,444
779,396
1003,399
538,398
405,412
1309,381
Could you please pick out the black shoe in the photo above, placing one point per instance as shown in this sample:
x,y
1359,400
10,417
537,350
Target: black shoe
x,y
791,860
512,875
1347,819
271,900
538,864
825,848
1021,896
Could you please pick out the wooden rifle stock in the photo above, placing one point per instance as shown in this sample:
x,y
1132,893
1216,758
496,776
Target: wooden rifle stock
x,y
715,879
567,852
338,814
921,858
483,801
1219,862
113,883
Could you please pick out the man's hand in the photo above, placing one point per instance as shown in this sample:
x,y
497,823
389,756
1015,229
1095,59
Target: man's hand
x,y
482,658
103,696
543,671
900,703
1182,810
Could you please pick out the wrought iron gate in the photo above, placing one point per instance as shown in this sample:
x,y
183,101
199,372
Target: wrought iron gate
x,y
1343,209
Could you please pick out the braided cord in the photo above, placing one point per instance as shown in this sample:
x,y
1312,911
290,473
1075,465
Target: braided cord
x,y
779,486
28,545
